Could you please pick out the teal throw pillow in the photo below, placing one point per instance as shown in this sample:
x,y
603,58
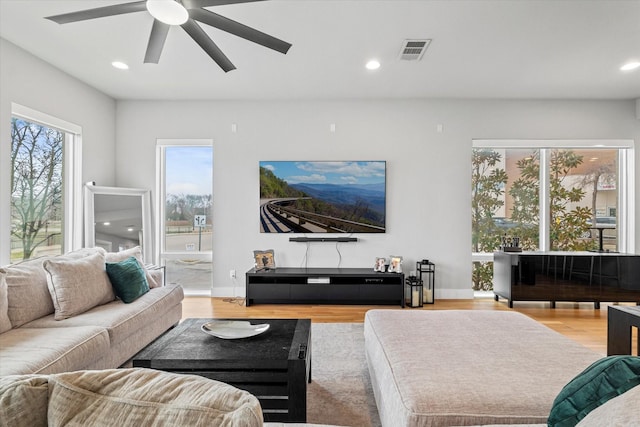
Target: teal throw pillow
x,y
128,279
603,380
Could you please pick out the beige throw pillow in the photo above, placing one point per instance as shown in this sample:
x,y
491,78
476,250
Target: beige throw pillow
x,y
28,292
5,323
623,410
147,397
78,285
137,253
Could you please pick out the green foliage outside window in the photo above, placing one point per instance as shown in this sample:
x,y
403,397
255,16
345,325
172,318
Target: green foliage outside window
x,y
567,226
487,188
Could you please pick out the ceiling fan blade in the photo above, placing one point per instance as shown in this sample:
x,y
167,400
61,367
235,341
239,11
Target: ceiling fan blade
x,y
158,36
99,12
238,29
200,37
189,4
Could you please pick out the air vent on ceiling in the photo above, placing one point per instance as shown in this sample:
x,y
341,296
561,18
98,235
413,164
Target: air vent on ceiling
x,y
412,50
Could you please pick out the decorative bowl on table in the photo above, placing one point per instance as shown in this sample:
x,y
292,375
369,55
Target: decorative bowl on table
x,y
233,329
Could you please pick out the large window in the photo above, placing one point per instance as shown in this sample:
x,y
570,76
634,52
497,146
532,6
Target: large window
x,y
549,195
185,205
44,182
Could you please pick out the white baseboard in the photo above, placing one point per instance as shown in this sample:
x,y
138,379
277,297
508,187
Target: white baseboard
x,y
454,293
228,292
197,293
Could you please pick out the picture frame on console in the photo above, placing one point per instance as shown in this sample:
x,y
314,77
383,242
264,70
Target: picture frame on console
x,y
380,265
395,264
264,259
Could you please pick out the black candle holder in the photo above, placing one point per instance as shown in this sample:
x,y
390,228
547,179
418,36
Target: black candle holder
x,y
414,287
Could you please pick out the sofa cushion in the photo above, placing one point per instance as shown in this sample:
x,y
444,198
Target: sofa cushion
x,y
27,289
128,279
157,275
137,253
49,350
5,322
120,319
23,400
601,381
77,285
623,410
138,396
28,297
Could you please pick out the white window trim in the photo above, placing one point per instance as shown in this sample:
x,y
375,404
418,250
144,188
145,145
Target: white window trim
x,y
160,253
552,143
626,179
72,170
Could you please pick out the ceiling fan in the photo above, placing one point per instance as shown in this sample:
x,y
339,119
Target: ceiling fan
x,y
184,13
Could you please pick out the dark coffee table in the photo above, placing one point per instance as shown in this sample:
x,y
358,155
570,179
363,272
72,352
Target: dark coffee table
x,y
620,321
274,366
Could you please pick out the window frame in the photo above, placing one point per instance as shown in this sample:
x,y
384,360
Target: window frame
x,y
625,192
160,254
72,180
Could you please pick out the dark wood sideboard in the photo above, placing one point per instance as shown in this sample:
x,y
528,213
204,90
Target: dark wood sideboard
x,y
566,276
324,286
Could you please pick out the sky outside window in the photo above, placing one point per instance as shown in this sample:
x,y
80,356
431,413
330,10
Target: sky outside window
x,y
189,170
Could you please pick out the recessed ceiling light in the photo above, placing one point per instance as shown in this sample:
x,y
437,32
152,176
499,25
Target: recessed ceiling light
x,y
106,223
373,65
630,66
168,11
120,65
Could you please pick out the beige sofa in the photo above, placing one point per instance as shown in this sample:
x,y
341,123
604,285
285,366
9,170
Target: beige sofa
x,y
60,314
457,368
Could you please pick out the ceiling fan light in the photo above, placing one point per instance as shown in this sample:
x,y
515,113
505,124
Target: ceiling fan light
x,y
168,11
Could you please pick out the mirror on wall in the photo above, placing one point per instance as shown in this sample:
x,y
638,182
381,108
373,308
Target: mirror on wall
x,y
118,218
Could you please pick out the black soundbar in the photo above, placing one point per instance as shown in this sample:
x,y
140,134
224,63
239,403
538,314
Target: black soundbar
x,y
323,239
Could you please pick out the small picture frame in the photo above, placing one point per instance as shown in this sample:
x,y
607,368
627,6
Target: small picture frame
x,y
264,259
395,264
380,264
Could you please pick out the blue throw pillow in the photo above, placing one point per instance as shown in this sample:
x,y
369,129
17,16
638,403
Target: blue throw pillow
x,y
603,380
128,279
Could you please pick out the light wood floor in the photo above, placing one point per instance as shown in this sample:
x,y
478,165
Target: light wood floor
x,y
578,321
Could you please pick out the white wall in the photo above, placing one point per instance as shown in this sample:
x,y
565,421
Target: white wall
x,y
33,83
428,173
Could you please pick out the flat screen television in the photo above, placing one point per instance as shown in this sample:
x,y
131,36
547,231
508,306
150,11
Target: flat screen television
x,y
322,197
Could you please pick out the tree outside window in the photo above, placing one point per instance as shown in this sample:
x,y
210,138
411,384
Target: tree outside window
x,y
505,201
568,220
36,189
487,188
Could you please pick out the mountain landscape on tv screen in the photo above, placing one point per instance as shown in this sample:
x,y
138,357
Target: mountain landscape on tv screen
x,y
352,207
372,195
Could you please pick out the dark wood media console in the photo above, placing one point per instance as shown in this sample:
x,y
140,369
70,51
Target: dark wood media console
x,y
324,286
566,276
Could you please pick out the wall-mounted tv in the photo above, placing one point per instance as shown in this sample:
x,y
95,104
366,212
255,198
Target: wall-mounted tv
x,y
322,197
